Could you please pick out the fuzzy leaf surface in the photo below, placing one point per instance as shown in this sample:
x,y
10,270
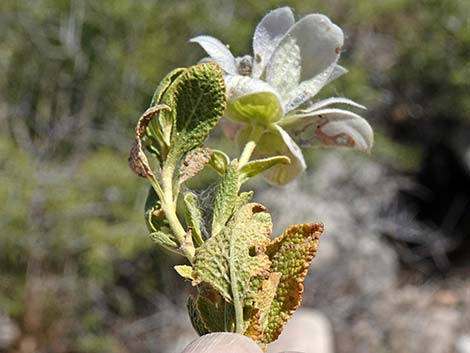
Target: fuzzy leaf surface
x,y
262,306
193,217
229,260
291,255
197,101
194,162
226,198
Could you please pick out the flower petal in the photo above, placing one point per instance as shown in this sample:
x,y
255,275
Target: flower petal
x,y
320,42
218,52
337,72
276,142
330,127
268,34
326,102
286,77
252,101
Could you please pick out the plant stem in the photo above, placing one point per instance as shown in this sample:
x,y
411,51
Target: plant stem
x,y
237,303
250,146
169,207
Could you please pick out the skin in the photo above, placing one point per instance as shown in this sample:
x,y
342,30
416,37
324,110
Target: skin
x,y
223,342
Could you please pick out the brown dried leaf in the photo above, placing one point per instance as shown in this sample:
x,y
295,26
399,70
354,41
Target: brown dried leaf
x,y
291,255
138,161
262,306
194,162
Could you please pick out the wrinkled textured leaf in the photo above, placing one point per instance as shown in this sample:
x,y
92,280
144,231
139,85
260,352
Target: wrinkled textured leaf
x,y
291,255
226,198
193,217
262,306
229,260
197,100
164,240
243,199
194,162
260,165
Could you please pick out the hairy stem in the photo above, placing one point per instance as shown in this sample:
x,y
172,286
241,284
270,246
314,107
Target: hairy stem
x,y
237,302
169,207
250,146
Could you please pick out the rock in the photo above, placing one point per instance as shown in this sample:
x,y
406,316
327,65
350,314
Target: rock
x,y
414,322
9,332
308,331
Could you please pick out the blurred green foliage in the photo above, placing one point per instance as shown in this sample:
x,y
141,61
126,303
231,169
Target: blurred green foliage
x,y
76,74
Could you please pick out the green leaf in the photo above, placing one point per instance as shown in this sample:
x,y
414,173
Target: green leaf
x,y
226,198
193,217
243,199
154,215
165,240
258,166
161,127
291,255
195,317
184,271
194,162
231,259
197,101
259,317
216,314
219,161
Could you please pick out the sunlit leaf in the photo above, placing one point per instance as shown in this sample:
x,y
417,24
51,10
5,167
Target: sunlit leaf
x,y
197,100
160,128
164,240
229,260
184,271
260,165
226,198
291,255
219,161
193,217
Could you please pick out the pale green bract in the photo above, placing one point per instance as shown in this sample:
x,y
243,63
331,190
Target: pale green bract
x,y
275,88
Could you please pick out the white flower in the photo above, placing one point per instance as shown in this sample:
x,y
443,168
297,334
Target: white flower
x,y
274,90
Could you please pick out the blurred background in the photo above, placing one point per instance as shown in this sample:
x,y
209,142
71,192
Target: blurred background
x,y
77,271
